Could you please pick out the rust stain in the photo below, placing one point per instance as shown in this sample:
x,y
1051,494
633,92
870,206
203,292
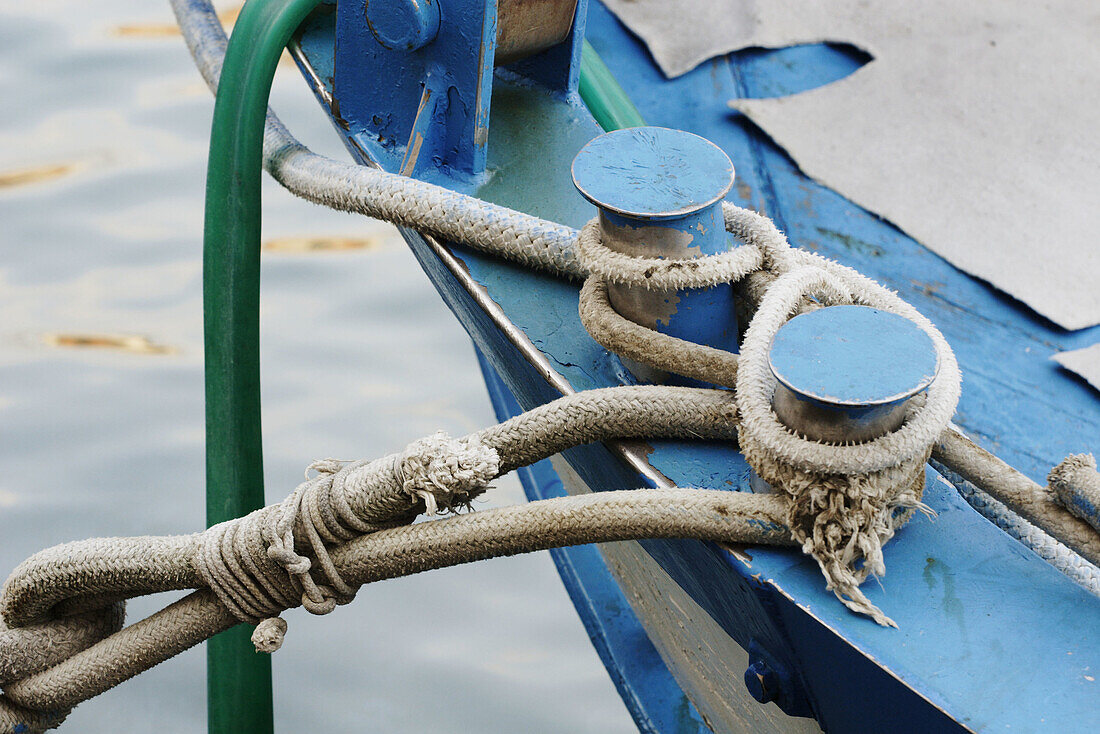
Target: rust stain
x,y
744,191
120,342
928,289
303,245
36,174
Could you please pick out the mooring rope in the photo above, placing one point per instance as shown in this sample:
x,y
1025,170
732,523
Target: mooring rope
x,y
61,636
346,526
549,246
1045,546
846,501
545,245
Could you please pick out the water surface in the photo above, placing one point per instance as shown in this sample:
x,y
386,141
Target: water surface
x,y
103,129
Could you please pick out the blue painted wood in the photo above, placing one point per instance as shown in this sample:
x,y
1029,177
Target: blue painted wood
x,y
991,637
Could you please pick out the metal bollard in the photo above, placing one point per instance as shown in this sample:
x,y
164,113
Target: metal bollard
x,y
846,373
659,194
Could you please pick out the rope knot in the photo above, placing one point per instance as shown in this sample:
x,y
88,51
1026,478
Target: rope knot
x,y
257,564
846,501
446,473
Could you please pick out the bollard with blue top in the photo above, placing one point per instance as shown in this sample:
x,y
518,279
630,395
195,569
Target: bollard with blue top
x,y
659,194
847,373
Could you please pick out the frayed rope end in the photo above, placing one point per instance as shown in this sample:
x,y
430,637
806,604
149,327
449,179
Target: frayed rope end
x,y
446,473
269,634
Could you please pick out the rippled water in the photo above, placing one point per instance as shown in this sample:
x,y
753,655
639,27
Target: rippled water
x,y
103,125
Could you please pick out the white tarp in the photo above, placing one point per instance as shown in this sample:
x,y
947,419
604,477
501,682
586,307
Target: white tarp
x,y
1085,362
975,128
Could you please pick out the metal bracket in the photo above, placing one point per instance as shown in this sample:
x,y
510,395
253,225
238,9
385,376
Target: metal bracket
x,y
768,680
413,78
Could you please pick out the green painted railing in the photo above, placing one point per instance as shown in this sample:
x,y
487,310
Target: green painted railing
x,y
602,95
238,678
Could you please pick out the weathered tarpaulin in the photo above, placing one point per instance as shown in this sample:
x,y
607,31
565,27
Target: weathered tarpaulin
x,y
973,128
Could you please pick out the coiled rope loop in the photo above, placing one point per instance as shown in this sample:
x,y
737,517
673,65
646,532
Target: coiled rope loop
x,y
660,274
846,500
764,253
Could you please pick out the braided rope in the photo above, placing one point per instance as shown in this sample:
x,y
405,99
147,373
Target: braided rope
x,y
247,562
846,500
649,346
662,274
1045,546
61,640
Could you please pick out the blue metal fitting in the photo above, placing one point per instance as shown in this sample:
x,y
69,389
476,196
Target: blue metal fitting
x,y
761,682
768,680
414,81
846,373
403,24
659,193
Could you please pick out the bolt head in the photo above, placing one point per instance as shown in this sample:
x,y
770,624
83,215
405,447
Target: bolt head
x,y
761,682
403,25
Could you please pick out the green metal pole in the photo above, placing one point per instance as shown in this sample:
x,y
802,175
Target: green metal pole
x,y
238,678
602,95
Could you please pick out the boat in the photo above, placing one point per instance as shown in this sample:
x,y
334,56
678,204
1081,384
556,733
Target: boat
x,y
697,635
958,587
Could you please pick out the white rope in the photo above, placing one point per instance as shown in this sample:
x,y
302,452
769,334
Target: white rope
x,y
1046,547
312,549
348,524
846,500
833,285
663,274
1038,505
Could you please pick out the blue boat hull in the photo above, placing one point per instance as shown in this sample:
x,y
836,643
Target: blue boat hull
x,y
960,590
